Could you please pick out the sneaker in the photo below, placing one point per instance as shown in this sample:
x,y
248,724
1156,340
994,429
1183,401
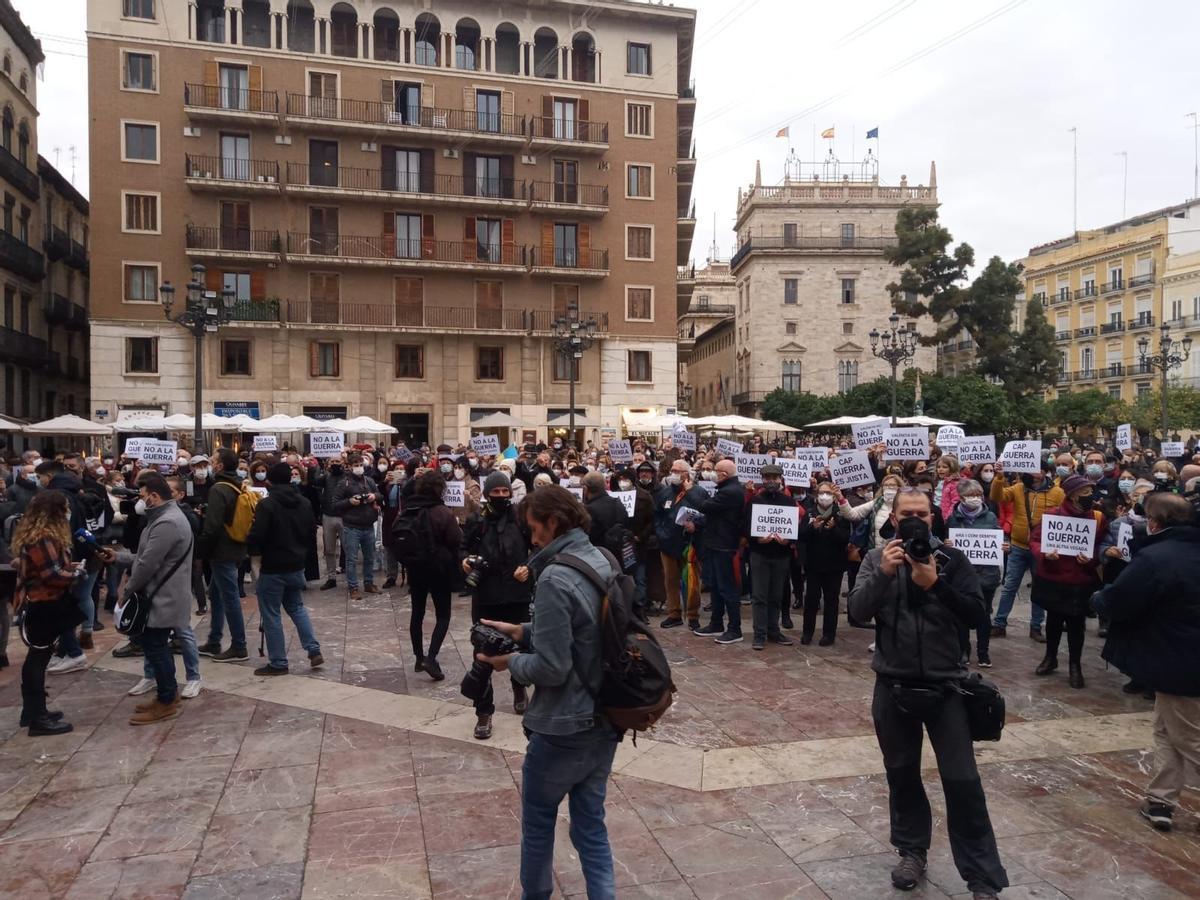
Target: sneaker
x,y
908,872
693,624
270,670
85,641
520,699
233,654
372,589
315,660
730,637
65,664
329,584
128,649
709,630
781,639
1157,814
670,622
212,648
999,631
190,690
757,644
483,728
785,622
983,662
144,686
1035,634
985,894
871,647
805,639
158,712
390,582
97,625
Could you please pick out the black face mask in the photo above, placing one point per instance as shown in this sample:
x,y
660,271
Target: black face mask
x,y
335,470
499,504
646,482
1085,503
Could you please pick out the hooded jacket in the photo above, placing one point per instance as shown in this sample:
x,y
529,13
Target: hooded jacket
x,y
364,514
502,541
672,539
283,526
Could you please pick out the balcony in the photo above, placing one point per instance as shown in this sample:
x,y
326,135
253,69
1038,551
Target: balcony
x,y
569,261
79,318
744,397
375,117
391,252
18,257
438,319
1063,296
1063,378
210,101
232,243
685,165
56,243
686,273
23,349
573,199
1062,335
1112,327
821,243
1085,375
1141,280
19,176
78,257
426,187
1088,290
1085,331
1041,296
580,136
1114,370
230,176
255,311
1143,320
1110,287
56,308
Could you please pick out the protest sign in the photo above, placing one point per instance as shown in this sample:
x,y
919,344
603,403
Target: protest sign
x,y
906,443
683,439
402,453
327,444
1124,536
627,498
850,468
265,443
768,520
620,451
486,444
261,491
133,447
727,447
453,495
950,434
577,491
709,487
869,432
1172,449
796,472
977,450
1022,456
982,546
686,514
817,457
1124,437
749,466
1068,535
159,453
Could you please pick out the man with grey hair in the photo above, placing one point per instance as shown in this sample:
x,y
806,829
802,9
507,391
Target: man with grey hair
x,y
678,541
606,511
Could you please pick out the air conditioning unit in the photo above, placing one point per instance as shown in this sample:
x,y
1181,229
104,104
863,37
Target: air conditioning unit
x,y
369,147
285,139
191,131
450,153
528,160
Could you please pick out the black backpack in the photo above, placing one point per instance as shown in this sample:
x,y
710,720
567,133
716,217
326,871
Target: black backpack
x,y
412,537
635,681
619,541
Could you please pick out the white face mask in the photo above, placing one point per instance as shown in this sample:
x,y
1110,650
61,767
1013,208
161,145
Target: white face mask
x,y
260,476
382,467
242,473
140,507
99,472
1162,476
200,475
889,494
674,479
445,468
357,470
295,479
625,485
708,475
460,474
181,461
986,477
825,499
974,504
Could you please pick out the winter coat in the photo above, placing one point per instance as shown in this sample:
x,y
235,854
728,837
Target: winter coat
x,y
989,576
446,535
215,543
878,512
1028,505
673,541
825,547
166,537
949,498
769,549
1067,569
723,513
283,526
329,486
502,541
364,514
606,512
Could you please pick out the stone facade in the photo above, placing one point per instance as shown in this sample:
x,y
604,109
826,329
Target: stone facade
x,y
711,293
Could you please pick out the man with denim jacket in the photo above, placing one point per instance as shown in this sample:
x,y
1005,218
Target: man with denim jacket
x,y
571,745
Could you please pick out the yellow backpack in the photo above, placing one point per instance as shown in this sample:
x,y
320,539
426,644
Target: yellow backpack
x,y
238,524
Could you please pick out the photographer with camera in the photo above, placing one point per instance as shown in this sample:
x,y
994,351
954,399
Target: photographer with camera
x,y
495,549
919,592
355,502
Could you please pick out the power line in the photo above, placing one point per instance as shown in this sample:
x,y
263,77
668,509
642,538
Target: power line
x,y
874,22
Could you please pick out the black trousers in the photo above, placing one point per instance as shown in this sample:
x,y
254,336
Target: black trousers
x,y
823,591
33,681
515,613
421,585
900,735
983,634
1074,626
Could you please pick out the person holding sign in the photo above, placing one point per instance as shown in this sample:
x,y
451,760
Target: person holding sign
x,y
971,512
678,542
723,513
824,534
1063,581
775,512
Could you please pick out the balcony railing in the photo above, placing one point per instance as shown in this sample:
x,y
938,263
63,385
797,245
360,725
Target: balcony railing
x,y
232,240
748,397
79,318
234,100
1085,331
1143,320
711,309
808,242
78,257
382,247
1085,375
1062,335
1064,378
1139,280
1112,327
569,131
1114,370
19,257
374,112
1109,287
355,179
686,273
432,317
56,308
255,311
1088,290
23,349
571,194
570,258
1060,298
21,177
56,243
260,171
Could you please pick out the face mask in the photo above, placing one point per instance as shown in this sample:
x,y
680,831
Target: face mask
x,y
181,461
472,462
1094,470
127,468
974,504
1062,471
140,507
646,482
1110,468
260,476
445,468
1126,485
557,471
889,494
99,472
772,487
558,445
357,470
32,478
460,474
241,474
625,485
708,475
1085,502
825,499
199,474
295,479
382,467
674,479
499,504
1162,476
986,477
335,470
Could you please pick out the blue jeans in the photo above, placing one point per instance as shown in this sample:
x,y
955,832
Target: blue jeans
x,y
284,591
1020,561
557,766
81,590
356,540
226,604
191,656
157,650
726,601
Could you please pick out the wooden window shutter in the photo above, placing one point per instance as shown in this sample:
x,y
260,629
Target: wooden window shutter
x,y
468,161
585,245
314,359
389,233
547,108
255,82
427,96
387,91
508,103
258,286
214,280
388,171
470,239
212,74
508,248
337,360
507,188
547,243
427,171
469,99
585,107
428,242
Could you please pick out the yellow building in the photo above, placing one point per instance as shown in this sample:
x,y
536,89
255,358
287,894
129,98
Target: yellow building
x,y
1103,290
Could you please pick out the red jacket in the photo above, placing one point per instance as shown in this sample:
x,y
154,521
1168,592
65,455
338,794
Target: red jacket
x,y
1068,569
44,572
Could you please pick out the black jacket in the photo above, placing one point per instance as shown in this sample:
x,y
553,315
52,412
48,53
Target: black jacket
x,y
825,547
672,539
21,491
70,486
606,512
1154,613
351,485
283,526
642,524
723,516
502,541
916,631
329,484
772,549
215,544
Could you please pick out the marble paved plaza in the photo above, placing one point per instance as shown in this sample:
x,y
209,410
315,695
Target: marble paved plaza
x,y
362,780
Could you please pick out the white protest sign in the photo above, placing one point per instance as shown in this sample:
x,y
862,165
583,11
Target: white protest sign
x,y
868,432
982,546
749,465
978,450
727,447
1124,437
851,468
261,491
133,447
402,453
486,444
453,495
1022,456
265,443
1172,449
627,498
1068,536
950,435
768,520
709,487
1124,536
577,491
620,451
817,457
796,472
686,514
159,453
327,444
906,443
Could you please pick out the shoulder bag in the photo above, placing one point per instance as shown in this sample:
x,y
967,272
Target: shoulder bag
x,y
131,616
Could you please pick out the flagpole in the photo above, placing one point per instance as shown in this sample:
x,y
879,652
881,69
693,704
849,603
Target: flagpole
x,y
814,156
1075,180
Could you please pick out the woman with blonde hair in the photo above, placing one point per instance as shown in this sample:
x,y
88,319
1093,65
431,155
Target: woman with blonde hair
x,y
41,549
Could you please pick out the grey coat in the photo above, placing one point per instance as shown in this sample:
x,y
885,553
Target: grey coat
x,y
165,536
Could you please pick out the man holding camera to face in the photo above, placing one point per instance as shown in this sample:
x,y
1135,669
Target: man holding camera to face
x,y
918,591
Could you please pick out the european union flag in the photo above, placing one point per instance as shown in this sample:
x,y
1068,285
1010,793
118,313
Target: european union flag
x,y
873,133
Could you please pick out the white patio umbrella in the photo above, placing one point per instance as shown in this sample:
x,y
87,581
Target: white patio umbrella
x,y
927,421
841,421
278,424
208,422
564,421
138,420
244,422
68,425
366,425
7,425
496,420
768,425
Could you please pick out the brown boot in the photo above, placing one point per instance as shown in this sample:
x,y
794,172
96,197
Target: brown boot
x,y
158,712
85,640
483,728
355,594
372,589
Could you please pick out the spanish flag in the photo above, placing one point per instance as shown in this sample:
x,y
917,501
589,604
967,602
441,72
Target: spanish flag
x,y
827,133
782,133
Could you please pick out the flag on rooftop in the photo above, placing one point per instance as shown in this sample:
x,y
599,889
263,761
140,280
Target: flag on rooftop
x,y
827,133
782,133
873,133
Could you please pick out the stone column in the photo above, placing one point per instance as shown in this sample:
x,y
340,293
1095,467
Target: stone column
x,y
449,43
525,63
283,36
368,43
228,33
565,59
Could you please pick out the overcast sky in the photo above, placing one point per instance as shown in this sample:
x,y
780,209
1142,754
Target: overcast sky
x,y
988,88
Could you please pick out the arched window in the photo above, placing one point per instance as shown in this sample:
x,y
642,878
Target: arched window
x,y
790,380
545,53
256,23
387,36
583,58
210,21
6,135
428,40
508,49
8,65
343,30
466,44
301,26
23,83
23,144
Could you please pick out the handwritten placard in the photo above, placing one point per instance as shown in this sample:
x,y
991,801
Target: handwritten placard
x,y
851,468
982,546
1022,456
977,450
627,498
906,443
453,495
868,433
265,443
770,520
486,444
327,444
727,447
1068,535
749,466
796,472
620,451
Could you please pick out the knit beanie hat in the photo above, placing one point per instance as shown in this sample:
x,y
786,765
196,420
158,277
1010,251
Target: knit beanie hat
x,y
495,480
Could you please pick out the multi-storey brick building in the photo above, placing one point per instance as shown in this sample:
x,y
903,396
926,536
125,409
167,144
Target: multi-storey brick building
x,y
403,198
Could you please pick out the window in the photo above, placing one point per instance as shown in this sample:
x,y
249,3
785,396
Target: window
x,y
489,364
325,359
23,225
141,283
324,296
141,212
138,72
789,234
323,163
323,230
322,94
10,205
141,356
790,290
790,377
137,9
639,120
235,225
235,157
410,361
487,240
235,86
239,283
1176,309
790,328
23,144
408,294
566,181
489,304
141,142
847,290
639,366
1116,277
565,297
639,304
847,375
408,236
847,234
566,245
639,242
639,183
566,367
235,357
408,171
487,176
564,119
847,328
487,111
1143,390
1114,392
407,101
638,59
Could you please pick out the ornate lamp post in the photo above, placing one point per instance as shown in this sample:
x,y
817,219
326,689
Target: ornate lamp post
x,y
201,314
899,346
572,339
1171,355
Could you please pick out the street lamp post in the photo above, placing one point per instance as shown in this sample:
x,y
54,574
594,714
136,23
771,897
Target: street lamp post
x,y
200,315
899,346
572,339
1171,355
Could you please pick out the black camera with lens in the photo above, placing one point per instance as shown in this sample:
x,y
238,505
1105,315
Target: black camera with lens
x,y
914,535
490,642
479,567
